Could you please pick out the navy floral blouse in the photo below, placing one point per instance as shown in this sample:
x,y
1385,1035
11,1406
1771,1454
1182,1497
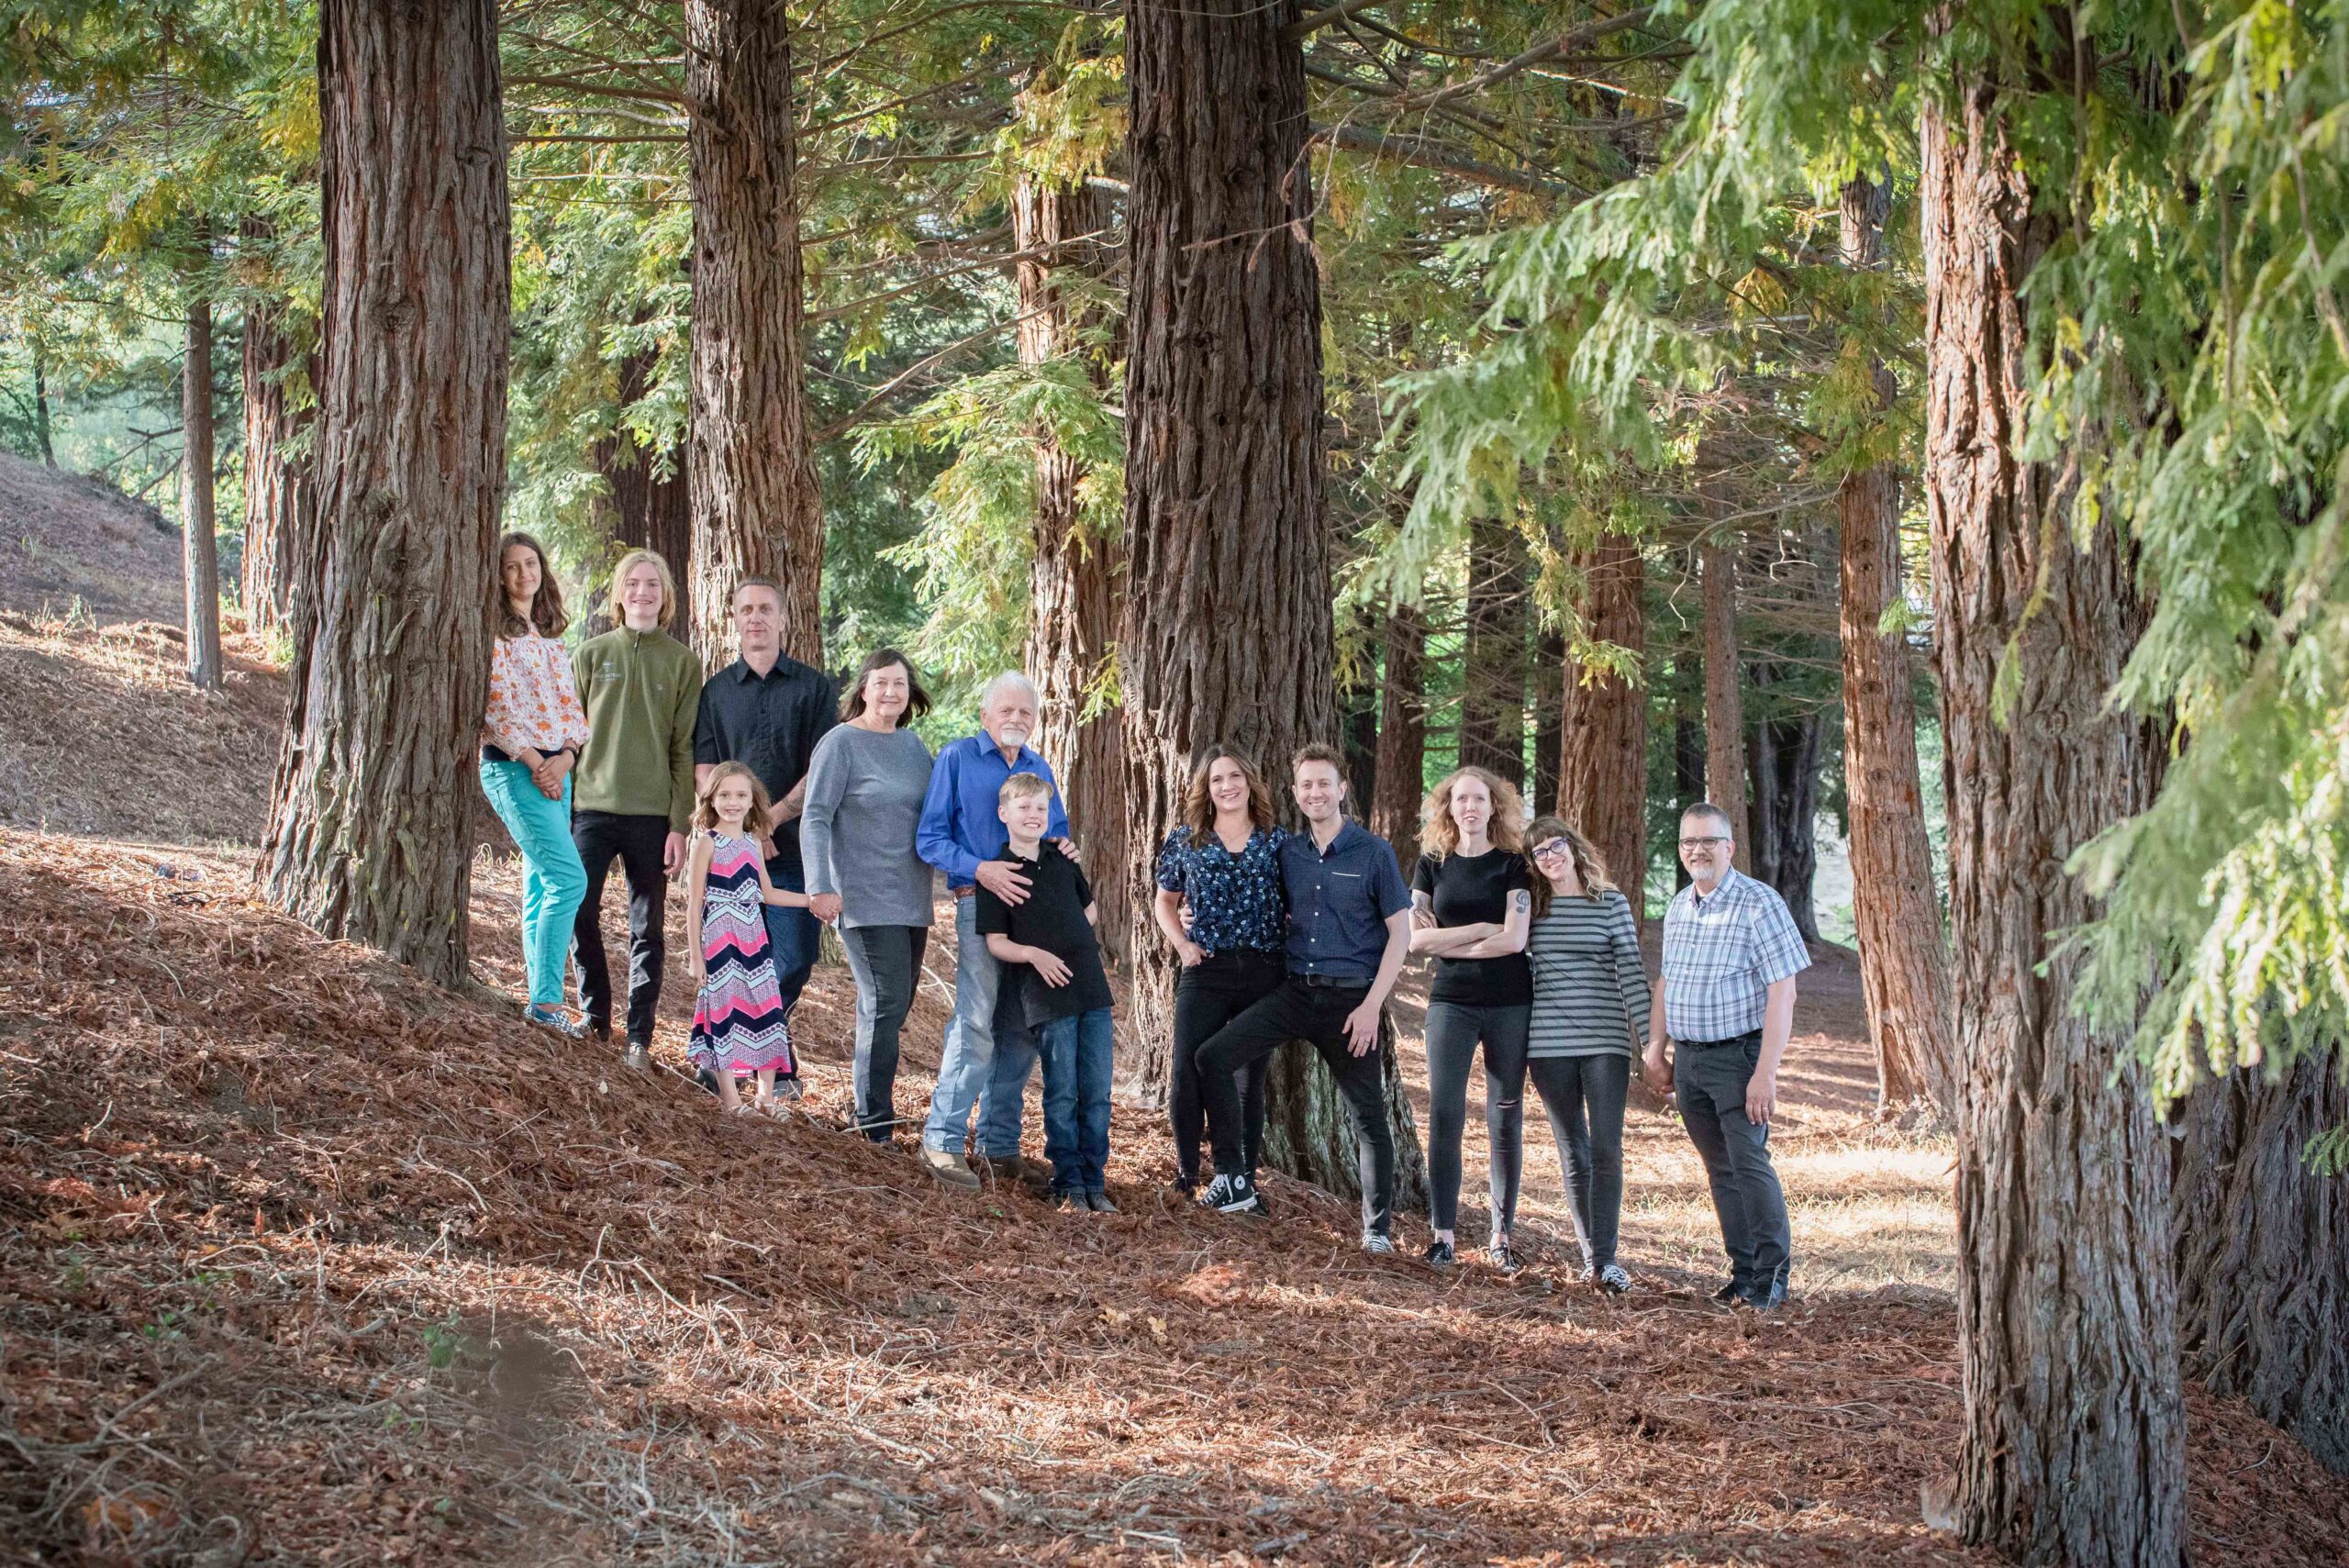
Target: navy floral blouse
x,y
1236,900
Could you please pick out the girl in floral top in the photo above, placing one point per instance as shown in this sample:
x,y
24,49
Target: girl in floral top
x,y
531,737
1222,909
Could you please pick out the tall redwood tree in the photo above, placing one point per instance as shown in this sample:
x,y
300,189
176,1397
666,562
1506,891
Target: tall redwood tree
x,y
2073,1445
370,837
1904,967
1076,582
1229,632
1603,735
756,507
278,492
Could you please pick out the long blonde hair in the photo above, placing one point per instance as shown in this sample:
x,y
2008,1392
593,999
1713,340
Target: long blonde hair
x,y
1589,864
1440,835
755,821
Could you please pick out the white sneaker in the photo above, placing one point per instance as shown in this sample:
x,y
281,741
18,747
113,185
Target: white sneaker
x,y
949,1167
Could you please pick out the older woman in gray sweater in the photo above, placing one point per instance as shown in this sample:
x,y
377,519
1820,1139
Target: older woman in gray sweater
x,y
865,784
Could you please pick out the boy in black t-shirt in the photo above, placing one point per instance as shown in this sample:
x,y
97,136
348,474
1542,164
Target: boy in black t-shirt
x,y
1066,993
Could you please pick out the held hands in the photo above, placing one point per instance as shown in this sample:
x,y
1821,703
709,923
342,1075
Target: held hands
x,y
1049,967
1003,880
1761,1097
825,906
1654,1071
1362,1028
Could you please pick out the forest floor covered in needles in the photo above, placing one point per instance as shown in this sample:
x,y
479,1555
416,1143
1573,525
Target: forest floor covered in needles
x,y
303,1261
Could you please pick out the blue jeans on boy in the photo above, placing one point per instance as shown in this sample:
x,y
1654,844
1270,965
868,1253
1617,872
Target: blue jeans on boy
x,y
1076,1053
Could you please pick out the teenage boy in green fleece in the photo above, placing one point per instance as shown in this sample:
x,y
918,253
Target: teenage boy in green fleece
x,y
634,788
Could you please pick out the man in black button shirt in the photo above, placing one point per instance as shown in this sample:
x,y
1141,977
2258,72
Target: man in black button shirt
x,y
1052,973
766,710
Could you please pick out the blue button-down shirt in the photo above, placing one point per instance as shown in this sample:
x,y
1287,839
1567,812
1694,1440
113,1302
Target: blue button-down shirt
x,y
1722,952
962,825
1340,900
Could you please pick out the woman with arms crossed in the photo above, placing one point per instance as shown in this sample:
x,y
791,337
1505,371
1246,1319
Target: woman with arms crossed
x,y
1472,902
1590,998
1222,862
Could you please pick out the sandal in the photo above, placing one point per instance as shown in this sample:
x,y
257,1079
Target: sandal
x,y
744,1108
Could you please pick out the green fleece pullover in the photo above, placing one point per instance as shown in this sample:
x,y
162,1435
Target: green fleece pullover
x,y
641,690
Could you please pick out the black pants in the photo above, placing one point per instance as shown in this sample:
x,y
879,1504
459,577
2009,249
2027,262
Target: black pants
x,y
1584,1095
1316,1015
1711,1081
1207,997
887,962
1454,1030
637,841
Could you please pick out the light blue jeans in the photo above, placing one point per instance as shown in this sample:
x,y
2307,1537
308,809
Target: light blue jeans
x,y
554,882
982,1064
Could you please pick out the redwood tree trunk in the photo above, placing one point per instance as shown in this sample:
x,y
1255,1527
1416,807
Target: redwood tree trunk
x,y
1228,633
756,508
1548,717
277,486
2262,1250
2073,1445
371,836
1782,757
1402,735
1724,697
651,509
1603,749
199,545
1492,695
1076,588
1904,968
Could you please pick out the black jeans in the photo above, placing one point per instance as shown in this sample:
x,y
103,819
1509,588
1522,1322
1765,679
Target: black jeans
x,y
887,962
1454,1030
1590,1147
637,841
1316,1015
1711,1081
1206,998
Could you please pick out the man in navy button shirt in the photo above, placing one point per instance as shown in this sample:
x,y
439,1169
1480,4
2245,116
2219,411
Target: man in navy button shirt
x,y
1349,933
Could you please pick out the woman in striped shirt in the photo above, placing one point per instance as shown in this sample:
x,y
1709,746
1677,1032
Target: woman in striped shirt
x,y
1590,1000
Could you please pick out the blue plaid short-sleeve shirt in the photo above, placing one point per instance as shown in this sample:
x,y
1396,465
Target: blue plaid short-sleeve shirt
x,y
1722,953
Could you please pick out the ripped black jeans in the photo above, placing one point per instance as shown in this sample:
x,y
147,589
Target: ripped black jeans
x,y
1455,1030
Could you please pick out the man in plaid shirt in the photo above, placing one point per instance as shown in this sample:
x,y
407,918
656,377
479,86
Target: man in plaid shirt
x,y
1731,955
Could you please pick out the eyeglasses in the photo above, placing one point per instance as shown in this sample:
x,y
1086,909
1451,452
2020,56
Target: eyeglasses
x,y
1702,843
1556,849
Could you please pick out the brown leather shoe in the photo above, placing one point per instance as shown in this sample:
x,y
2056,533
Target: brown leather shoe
x,y
1017,1170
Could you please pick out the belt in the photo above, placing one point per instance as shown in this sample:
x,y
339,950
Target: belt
x,y
1332,982
1712,1044
964,892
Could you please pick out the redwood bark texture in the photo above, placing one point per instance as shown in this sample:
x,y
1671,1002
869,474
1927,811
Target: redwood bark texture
x,y
1402,735
278,492
199,541
1229,629
1782,809
650,493
1725,695
1548,716
2072,1450
2262,1250
1076,582
1603,745
371,836
1904,967
1492,695
756,507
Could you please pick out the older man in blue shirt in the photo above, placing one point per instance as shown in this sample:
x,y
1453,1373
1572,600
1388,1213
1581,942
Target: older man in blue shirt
x,y
961,834
1349,933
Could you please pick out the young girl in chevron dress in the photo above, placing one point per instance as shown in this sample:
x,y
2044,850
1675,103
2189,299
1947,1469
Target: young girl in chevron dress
x,y
740,1024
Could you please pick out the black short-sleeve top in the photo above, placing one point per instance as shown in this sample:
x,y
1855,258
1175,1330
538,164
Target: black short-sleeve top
x,y
1466,890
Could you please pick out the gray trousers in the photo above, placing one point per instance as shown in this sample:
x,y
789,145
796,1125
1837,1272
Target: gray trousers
x,y
886,962
1711,1081
1453,1031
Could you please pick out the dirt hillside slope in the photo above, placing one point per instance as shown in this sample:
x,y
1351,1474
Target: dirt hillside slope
x,y
304,1262
73,545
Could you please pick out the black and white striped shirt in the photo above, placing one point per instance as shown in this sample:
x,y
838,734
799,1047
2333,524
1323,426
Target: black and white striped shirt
x,y
1591,988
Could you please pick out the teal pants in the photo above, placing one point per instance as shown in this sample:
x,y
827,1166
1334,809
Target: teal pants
x,y
555,883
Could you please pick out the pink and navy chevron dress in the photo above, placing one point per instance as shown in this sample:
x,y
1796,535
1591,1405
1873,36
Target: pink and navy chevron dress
x,y
739,1020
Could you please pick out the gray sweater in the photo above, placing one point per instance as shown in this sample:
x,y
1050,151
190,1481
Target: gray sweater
x,y
856,832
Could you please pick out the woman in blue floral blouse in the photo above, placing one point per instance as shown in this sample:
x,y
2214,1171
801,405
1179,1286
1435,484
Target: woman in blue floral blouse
x,y
1223,862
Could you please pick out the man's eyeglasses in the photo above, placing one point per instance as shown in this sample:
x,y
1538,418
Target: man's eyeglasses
x,y
1702,843
1556,849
